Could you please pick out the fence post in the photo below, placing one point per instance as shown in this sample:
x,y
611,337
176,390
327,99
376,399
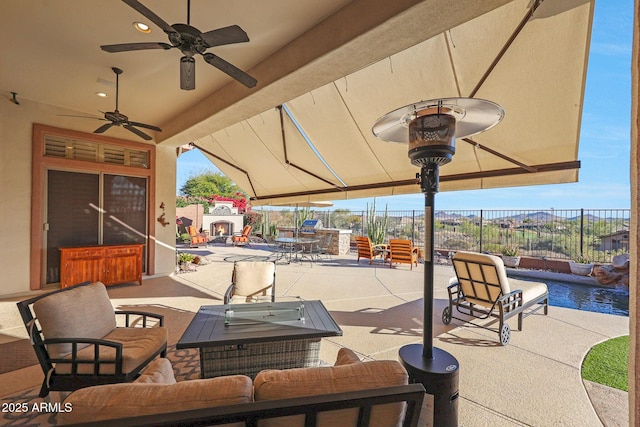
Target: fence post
x,y
581,231
481,230
413,226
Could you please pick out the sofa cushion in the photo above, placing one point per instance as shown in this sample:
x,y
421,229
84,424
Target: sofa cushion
x,y
82,312
135,399
284,384
138,345
159,371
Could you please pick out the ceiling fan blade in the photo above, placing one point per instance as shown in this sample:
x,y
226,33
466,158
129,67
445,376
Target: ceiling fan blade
x,y
150,15
146,126
230,69
138,132
82,117
103,128
125,47
187,73
226,35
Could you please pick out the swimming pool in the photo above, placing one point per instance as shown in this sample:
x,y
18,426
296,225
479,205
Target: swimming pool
x,y
610,300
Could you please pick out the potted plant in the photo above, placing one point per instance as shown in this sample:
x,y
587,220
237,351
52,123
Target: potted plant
x,y
510,256
581,265
185,260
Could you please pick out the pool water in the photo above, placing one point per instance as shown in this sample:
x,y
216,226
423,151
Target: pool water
x,y
610,300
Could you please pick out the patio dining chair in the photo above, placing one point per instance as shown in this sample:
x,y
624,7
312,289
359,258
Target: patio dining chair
x,y
402,252
325,247
481,289
252,281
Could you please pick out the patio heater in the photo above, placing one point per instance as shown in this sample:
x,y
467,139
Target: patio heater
x,y
430,128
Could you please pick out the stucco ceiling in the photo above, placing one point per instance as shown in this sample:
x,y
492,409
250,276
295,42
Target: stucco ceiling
x,y
337,65
51,53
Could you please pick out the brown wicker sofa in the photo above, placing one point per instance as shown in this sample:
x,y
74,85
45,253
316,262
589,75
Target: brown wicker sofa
x,y
350,393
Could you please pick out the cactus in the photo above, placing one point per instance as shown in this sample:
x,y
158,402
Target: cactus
x,y
377,227
303,214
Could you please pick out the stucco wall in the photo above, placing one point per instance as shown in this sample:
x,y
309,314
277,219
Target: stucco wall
x,y
15,194
16,122
165,238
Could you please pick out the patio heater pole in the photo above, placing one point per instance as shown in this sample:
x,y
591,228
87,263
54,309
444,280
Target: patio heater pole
x,y
429,180
430,128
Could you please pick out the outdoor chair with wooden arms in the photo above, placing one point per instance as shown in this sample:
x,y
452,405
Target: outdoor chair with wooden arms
x,y
79,342
366,249
402,251
481,289
252,281
243,237
197,239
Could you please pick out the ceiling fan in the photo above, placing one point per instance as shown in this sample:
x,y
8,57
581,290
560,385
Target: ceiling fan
x,y
190,41
118,119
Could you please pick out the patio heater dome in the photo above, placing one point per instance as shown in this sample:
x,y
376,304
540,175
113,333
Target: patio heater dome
x,y
430,128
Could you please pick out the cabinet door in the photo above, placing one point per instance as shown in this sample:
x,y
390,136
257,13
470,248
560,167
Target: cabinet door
x,y
80,270
123,268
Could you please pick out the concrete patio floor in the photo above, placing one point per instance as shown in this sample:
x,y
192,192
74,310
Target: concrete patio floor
x,y
535,380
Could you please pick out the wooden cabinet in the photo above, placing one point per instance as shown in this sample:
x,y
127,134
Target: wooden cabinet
x,y
109,264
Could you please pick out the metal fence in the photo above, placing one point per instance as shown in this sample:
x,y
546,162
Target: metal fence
x,y
595,234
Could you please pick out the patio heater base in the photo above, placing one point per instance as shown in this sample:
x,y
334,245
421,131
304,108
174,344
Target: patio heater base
x,y
440,379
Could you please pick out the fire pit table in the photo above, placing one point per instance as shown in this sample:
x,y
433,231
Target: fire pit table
x,y
248,338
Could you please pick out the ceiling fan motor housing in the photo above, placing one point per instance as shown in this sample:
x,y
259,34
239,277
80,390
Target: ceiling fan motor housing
x,y
432,139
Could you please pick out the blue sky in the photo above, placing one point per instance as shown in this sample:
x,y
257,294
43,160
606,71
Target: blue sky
x,y
604,137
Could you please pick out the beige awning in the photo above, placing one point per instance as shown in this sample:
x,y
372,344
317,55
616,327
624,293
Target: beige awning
x,y
532,63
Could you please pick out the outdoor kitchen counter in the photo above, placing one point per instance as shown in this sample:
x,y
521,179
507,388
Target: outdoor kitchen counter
x,y
340,244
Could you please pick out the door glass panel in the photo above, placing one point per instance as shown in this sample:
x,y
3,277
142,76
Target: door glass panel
x,y
125,210
72,215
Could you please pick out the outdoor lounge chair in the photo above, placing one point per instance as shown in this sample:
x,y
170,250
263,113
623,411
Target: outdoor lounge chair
x,y
243,237
252,281
366,249
77,341
403,252
197,239
481,289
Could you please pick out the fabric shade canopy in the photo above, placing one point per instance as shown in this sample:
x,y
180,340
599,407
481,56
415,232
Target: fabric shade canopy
x,y
529,57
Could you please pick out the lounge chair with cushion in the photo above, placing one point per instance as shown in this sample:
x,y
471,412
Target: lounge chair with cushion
x,y
481,289
197,239
252,281
242,238
403,252
79,342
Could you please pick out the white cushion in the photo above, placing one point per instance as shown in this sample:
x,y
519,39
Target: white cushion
x,y
253,277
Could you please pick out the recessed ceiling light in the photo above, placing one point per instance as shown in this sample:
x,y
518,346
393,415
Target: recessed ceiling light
x,y
101,94
142,27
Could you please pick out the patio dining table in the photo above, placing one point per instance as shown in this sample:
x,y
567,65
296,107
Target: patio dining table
x,y
292,243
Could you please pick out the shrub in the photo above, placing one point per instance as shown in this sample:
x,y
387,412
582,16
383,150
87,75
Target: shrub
x,y
509,250
184,257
